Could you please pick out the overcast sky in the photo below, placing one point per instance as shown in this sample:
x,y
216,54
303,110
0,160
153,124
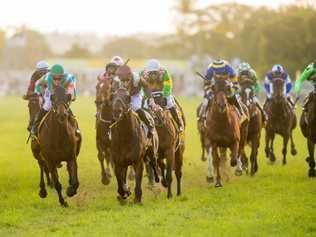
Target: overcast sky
x,y
118,17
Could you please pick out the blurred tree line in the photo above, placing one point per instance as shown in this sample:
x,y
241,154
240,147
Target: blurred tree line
x,y
262,36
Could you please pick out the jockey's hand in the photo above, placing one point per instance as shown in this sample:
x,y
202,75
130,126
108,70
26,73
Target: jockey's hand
x,y
152,104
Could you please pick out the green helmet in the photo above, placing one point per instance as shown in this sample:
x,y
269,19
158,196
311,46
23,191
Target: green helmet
x,y
57,70
244,67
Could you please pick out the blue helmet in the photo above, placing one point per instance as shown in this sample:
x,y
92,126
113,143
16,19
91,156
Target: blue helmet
x,y
277,68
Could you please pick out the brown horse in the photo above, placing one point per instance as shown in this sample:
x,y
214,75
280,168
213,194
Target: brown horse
x,y
58,141
255,124
130,145
308,128
281,120
34,105
103,123
224,129
171,144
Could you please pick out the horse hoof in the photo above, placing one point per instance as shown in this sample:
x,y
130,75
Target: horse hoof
x,y
284,162
64,204
218,185
169,196
121,200
238,172
105,180
203,158
157,180
307,159
312,173
42,193
209,179
294,152
233,163
71,191
138,201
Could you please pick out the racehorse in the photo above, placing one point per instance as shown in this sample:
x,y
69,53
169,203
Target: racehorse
x,y
255,124
308,128
130,145
281,120
171,144
59,141
224,129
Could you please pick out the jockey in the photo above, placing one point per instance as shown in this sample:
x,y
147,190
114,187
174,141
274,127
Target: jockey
x,y
309,74
278,72
110,74
45,87
41,70
159,79
245,69
220,70
135,84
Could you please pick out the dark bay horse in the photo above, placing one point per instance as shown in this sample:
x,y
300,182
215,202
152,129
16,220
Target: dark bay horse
x,y
34,105
130,145
103,123
171,144
224,129
255,124
308,128
281,120
59,142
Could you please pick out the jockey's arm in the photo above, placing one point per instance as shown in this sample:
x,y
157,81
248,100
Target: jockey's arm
x,y
40,85
146,88
307,73
71,87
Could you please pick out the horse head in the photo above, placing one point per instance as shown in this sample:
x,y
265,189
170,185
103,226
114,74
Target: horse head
x,y
60,102
247,92
34,105
221,88
278,88
121,103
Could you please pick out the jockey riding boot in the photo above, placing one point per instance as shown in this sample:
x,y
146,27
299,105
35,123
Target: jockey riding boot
x,y
291,102
176,117
306,102
143,117
239,107
203,109
38,118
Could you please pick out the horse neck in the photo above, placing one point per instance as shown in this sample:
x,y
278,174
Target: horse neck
x,y
60,131
278,107
126,125
221,119
106,112
312,110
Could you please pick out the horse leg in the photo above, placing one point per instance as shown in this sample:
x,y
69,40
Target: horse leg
x,y
73,177
254,154
293,149
124,180
284,150
244,160
42,192
162,167
311,159
267,147
272,155
216,163
48,179
107,156
104,179
138,186
178,169
120,189
209,177
203,147
58,186
150,174
235,156
170,163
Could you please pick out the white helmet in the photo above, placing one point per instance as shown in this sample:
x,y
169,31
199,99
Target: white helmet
x,y
153,65
41,65
117,60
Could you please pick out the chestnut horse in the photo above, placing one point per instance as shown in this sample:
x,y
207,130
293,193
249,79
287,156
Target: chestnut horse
x,y
130,145
171,144
58,141
255,124
224,129
308,128
34,105
281,120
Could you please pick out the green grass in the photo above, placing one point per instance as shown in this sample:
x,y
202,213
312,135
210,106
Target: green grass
x,y
278,201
